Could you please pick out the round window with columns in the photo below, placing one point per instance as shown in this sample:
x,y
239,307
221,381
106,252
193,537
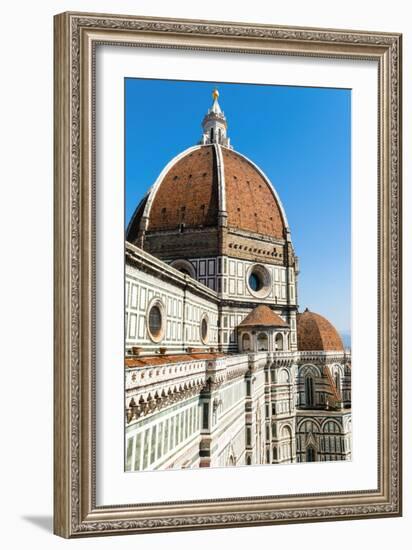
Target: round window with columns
x,y
258,280
156,320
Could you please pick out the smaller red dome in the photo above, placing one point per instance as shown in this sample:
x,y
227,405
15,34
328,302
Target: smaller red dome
x,y
263,316
315,333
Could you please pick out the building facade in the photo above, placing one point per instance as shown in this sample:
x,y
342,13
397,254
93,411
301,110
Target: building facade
x,y
221,367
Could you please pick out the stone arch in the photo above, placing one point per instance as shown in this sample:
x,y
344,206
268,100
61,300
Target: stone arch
x,y
279,343
308,368
283,376
185,267
286,443
246,342
262,342
337,366
328,422
286,431
309,421
347,424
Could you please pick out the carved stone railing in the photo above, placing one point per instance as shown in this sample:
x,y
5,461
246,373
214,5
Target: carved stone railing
x,y
150,375
150,388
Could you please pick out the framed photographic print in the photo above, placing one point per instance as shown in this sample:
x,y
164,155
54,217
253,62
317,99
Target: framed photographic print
x,y
227,274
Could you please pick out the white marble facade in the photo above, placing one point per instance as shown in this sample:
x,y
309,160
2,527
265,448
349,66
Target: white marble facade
x,y
190,403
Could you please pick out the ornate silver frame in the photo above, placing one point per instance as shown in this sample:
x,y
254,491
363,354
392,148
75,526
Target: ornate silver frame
x,y
75,511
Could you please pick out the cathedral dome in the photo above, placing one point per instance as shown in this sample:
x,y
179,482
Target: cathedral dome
x,y
204,181
210,186
315,333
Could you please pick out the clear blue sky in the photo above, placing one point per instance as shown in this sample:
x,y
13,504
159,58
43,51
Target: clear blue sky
x,y
300,137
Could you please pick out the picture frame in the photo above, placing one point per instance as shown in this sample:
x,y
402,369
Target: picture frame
x,y
76,510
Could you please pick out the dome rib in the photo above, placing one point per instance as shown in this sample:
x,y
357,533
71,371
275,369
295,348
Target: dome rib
x,y
254,205
188,193
221,178
132,230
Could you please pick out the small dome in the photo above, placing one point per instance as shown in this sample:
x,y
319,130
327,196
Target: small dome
x,y
263,316
315,333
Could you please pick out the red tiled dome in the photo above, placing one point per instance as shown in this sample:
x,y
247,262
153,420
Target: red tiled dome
x,y
250,202
263,316
192,190
315,333
187,194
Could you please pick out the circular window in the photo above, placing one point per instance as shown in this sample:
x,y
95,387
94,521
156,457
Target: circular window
x,y
155,321
255,282
204,329
258,281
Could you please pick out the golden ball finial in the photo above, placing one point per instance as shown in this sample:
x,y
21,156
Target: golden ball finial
x,y
215,93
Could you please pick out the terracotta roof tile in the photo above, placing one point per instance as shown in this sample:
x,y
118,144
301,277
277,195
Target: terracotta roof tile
x,y
188,193
250,203
315,333
263,316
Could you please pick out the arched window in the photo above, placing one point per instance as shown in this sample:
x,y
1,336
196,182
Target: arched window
x,y
279,342
286,442
211,134
331,427
246,342
283,376
310,397
262,342
310,454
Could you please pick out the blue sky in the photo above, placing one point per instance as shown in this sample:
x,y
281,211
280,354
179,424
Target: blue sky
x,y
300,137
